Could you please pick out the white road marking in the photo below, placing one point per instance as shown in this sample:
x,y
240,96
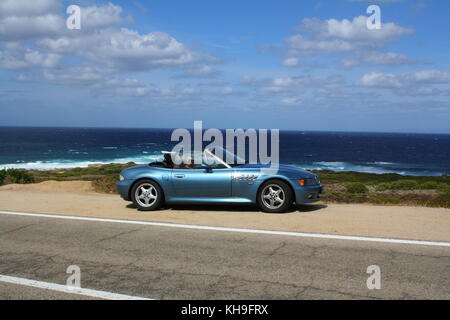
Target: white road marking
x,y
68,289
243,230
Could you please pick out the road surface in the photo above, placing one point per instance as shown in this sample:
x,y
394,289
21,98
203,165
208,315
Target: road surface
x,y
159,262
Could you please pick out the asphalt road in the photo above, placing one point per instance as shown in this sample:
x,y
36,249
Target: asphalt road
x,y
175,263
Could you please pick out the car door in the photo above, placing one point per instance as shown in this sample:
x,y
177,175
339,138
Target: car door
x,y
202,183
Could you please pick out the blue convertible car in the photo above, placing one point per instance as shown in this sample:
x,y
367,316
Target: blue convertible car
x,y
150,186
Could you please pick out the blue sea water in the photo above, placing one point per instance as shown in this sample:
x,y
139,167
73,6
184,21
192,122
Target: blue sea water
x,y
48,148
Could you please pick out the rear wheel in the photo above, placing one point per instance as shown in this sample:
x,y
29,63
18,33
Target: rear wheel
x,y
147,195
275,196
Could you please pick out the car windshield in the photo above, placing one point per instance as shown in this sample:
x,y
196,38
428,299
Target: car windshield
x,y
216,157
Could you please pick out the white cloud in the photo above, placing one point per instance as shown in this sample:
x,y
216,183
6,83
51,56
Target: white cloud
x,y
77,76
20,8
16,56
378,58
290,62
124,49
99,17
21,77
288,84
24,28
22,20
101,81
99,41
291,102
381,80
332,35
432,76
201,71
413,83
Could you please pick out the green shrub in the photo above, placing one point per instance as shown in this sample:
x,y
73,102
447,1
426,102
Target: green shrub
x,y
383,186
429,185
404,185
398,185
15,176
2,176
356,187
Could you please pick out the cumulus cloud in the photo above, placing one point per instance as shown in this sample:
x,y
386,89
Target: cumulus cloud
x,y
332,35
412,83
125,49
23,20
25,8
94,17
389,80
317,36
102,81
287,84
100,56
121,48
16,56
77,76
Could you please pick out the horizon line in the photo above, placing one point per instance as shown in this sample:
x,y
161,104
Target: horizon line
x,y
191,128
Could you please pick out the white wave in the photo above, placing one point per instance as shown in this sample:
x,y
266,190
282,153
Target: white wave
x,y
381,163
67,164
339,166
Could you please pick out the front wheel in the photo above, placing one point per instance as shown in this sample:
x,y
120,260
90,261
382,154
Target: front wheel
x,y
275,197
147,195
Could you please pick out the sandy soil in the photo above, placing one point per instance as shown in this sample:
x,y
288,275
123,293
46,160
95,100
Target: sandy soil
x,y
52,186
78,198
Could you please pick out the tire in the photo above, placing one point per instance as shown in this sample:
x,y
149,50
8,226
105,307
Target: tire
x,y
147,195
275,196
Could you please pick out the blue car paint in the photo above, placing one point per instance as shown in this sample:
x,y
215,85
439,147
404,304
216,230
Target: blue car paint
x,y
218,185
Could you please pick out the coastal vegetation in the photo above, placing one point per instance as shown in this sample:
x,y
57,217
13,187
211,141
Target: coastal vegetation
x,y
386,189
340,187
8,176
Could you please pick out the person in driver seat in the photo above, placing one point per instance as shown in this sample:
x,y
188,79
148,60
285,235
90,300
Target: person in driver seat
x,y
184,163
188,162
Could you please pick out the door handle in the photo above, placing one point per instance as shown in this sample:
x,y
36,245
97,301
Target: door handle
x,y
179,176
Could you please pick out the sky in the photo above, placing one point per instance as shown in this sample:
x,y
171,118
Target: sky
x,y
289,65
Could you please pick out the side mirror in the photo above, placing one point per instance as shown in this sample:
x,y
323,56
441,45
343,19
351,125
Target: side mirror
x,y
207,167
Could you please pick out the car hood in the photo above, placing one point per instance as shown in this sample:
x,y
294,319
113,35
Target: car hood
x,y
290,172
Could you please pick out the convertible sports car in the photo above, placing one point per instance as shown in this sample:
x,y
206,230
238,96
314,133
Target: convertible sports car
x,y
216,181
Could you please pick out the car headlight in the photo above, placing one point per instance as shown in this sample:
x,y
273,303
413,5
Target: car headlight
x,y
121,178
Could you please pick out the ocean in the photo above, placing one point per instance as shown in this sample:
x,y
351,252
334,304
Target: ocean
x,y
50,148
